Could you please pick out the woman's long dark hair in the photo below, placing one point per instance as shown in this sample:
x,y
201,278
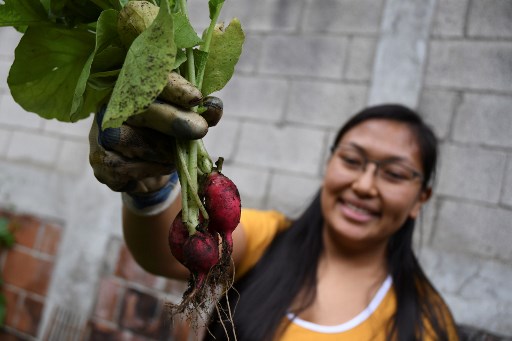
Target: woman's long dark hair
x,y
289,266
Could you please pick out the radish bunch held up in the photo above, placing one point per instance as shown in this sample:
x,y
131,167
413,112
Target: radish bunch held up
x,y
126,54
206,250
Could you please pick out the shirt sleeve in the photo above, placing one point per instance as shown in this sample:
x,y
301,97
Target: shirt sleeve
x,y
260,228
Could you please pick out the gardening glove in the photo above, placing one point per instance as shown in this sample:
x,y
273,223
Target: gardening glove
x,y
138,157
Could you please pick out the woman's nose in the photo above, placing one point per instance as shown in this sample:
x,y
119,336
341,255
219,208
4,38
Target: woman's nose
x,y
365,184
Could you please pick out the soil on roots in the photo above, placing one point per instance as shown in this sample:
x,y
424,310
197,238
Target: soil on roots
x,y
200,301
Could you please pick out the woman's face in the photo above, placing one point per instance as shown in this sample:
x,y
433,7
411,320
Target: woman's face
x,y
364,206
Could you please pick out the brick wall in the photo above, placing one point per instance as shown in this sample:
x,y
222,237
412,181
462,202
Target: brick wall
x,y
130,303
26,270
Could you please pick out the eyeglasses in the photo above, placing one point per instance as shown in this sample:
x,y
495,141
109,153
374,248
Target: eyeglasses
x,y
392,171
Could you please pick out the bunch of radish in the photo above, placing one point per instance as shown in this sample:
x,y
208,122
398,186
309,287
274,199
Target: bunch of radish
x,y
206,250
124,54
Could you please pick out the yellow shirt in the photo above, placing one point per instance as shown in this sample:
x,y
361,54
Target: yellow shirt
x,y
260,228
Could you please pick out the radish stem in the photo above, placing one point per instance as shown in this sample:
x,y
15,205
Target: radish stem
x,y
207,41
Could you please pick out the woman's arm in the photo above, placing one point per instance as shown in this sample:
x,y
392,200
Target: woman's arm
x,y
147,239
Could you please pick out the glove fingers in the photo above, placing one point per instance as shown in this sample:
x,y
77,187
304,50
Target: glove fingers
x,y
139,143
122,174
214,110
171,120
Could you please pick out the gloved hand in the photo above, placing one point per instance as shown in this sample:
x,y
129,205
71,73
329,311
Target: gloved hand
x,y
138,157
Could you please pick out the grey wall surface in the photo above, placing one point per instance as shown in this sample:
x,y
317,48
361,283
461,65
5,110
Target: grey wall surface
x,y
306,67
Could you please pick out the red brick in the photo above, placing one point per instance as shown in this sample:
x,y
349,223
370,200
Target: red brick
x,y
5,335
50,240
109,297
26,229
99,331
12,299
27,272
128,269
30,316
142,314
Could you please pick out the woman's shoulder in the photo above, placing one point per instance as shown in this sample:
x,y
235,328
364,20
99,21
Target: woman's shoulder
x,y
260,227
267,218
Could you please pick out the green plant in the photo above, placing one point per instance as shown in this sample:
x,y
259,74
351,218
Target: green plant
x,y
6,241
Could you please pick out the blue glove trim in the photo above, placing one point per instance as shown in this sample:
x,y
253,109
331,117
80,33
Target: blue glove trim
x,y
141,201
109,137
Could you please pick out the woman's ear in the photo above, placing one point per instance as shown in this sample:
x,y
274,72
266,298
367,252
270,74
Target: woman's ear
x,y
423,197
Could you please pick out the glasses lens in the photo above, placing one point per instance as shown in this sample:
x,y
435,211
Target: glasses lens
x,y
351,158
396,172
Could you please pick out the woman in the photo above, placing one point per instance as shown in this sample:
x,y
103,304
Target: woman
x,y
345,270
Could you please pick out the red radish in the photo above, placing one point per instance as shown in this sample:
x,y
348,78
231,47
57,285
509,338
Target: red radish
x,y
178,235
201,253
222,202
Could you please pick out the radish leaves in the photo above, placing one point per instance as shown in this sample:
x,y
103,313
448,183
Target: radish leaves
x,y
22,12
225,50
46,76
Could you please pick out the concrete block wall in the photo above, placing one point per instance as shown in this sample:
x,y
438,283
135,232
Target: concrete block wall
x,y
467,95
307,66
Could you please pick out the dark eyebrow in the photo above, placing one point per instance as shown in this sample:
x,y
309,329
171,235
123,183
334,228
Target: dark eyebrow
x,y
389,159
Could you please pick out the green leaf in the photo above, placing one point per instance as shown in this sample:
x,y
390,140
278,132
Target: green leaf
x,y
108,55
184,34
76,11
110,52
200,59
6,236
214,6
3,308
144,74
225,50
47,76
181,57
93,99
22,12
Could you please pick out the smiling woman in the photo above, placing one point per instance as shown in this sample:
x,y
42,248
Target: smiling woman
x,y
345,270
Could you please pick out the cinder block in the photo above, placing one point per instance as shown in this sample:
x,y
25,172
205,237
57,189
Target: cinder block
x,y
343,16
492,282
33,148
437,107
449,18
490,19
323,104
448,270
222,140
507,187
10,39
291,194
314,56
256,98
286,148
471,173
4,72
475,229
360,58
484,119
5,137
491,315
477,65
79,129
252,183
251,50
12,114
73,157
265,15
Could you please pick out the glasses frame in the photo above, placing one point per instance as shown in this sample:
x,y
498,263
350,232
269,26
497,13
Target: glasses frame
x,y
378,163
